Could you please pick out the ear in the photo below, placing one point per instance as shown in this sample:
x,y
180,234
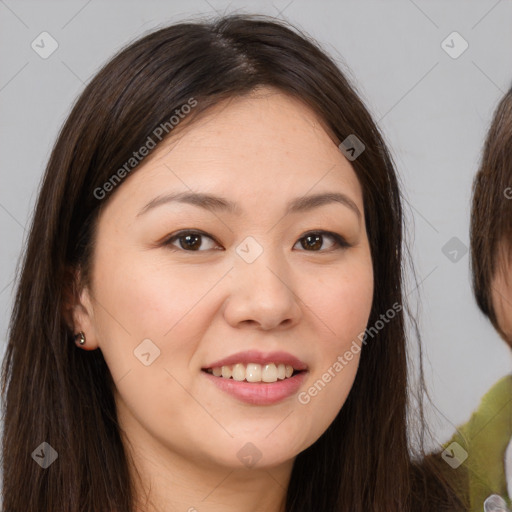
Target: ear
x,y
77,309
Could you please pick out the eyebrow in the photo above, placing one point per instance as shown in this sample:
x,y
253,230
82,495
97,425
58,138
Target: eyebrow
x,y
216,203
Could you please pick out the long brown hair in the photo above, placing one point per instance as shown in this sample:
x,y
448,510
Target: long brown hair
x,y
491,212
56,393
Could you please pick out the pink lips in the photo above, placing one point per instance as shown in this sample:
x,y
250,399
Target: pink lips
x,y
259,393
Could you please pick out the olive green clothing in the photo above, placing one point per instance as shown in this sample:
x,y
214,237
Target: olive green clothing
x,y
485,438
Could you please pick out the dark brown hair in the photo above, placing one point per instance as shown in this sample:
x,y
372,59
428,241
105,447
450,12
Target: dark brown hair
x,y
57,393
491,212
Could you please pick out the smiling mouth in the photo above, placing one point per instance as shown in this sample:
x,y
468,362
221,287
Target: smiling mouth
x,y
254,373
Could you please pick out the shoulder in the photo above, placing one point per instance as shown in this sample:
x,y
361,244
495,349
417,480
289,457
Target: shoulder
x,y
495,405
484,440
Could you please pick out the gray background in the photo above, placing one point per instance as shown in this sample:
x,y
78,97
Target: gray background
x,y
434,111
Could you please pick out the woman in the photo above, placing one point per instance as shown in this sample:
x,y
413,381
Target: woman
x,y
210,311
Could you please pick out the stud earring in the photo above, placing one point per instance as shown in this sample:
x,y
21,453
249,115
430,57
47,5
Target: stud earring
x,y
80,335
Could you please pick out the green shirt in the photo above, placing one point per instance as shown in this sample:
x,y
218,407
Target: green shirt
x,y
485,438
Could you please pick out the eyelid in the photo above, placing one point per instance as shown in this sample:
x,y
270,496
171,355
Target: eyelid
x,y
340,242
167,242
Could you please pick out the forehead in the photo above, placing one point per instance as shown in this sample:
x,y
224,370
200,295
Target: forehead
x,y
265,119
263,147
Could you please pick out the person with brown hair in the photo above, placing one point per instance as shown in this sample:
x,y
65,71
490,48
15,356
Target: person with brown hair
x,y
484,470
489,432
264,370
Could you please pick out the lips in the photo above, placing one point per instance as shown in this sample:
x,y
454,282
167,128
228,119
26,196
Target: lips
x,y
262,358
259,393
256,391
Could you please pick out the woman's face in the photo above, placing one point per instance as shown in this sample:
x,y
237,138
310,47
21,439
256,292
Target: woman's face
x,y
259,287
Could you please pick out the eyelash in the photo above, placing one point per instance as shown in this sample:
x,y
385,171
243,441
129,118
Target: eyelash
x,y
339,241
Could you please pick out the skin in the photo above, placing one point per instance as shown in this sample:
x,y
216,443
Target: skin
x,y
501,292
183,433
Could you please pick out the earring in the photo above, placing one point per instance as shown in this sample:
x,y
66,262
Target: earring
x,y
80,335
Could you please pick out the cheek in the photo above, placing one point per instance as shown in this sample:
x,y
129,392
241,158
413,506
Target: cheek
x,y
152,319
342,302
350,304
144,298
149,295
342,298
502,302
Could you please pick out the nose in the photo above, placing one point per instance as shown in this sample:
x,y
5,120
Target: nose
x,y
262,294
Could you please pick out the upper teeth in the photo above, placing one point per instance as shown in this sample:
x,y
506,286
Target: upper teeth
x,y
253,372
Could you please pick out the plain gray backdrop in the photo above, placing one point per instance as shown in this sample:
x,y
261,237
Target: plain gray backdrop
x,y
432,102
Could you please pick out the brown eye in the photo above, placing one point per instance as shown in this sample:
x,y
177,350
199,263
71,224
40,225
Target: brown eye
x,y
190,241
313,241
